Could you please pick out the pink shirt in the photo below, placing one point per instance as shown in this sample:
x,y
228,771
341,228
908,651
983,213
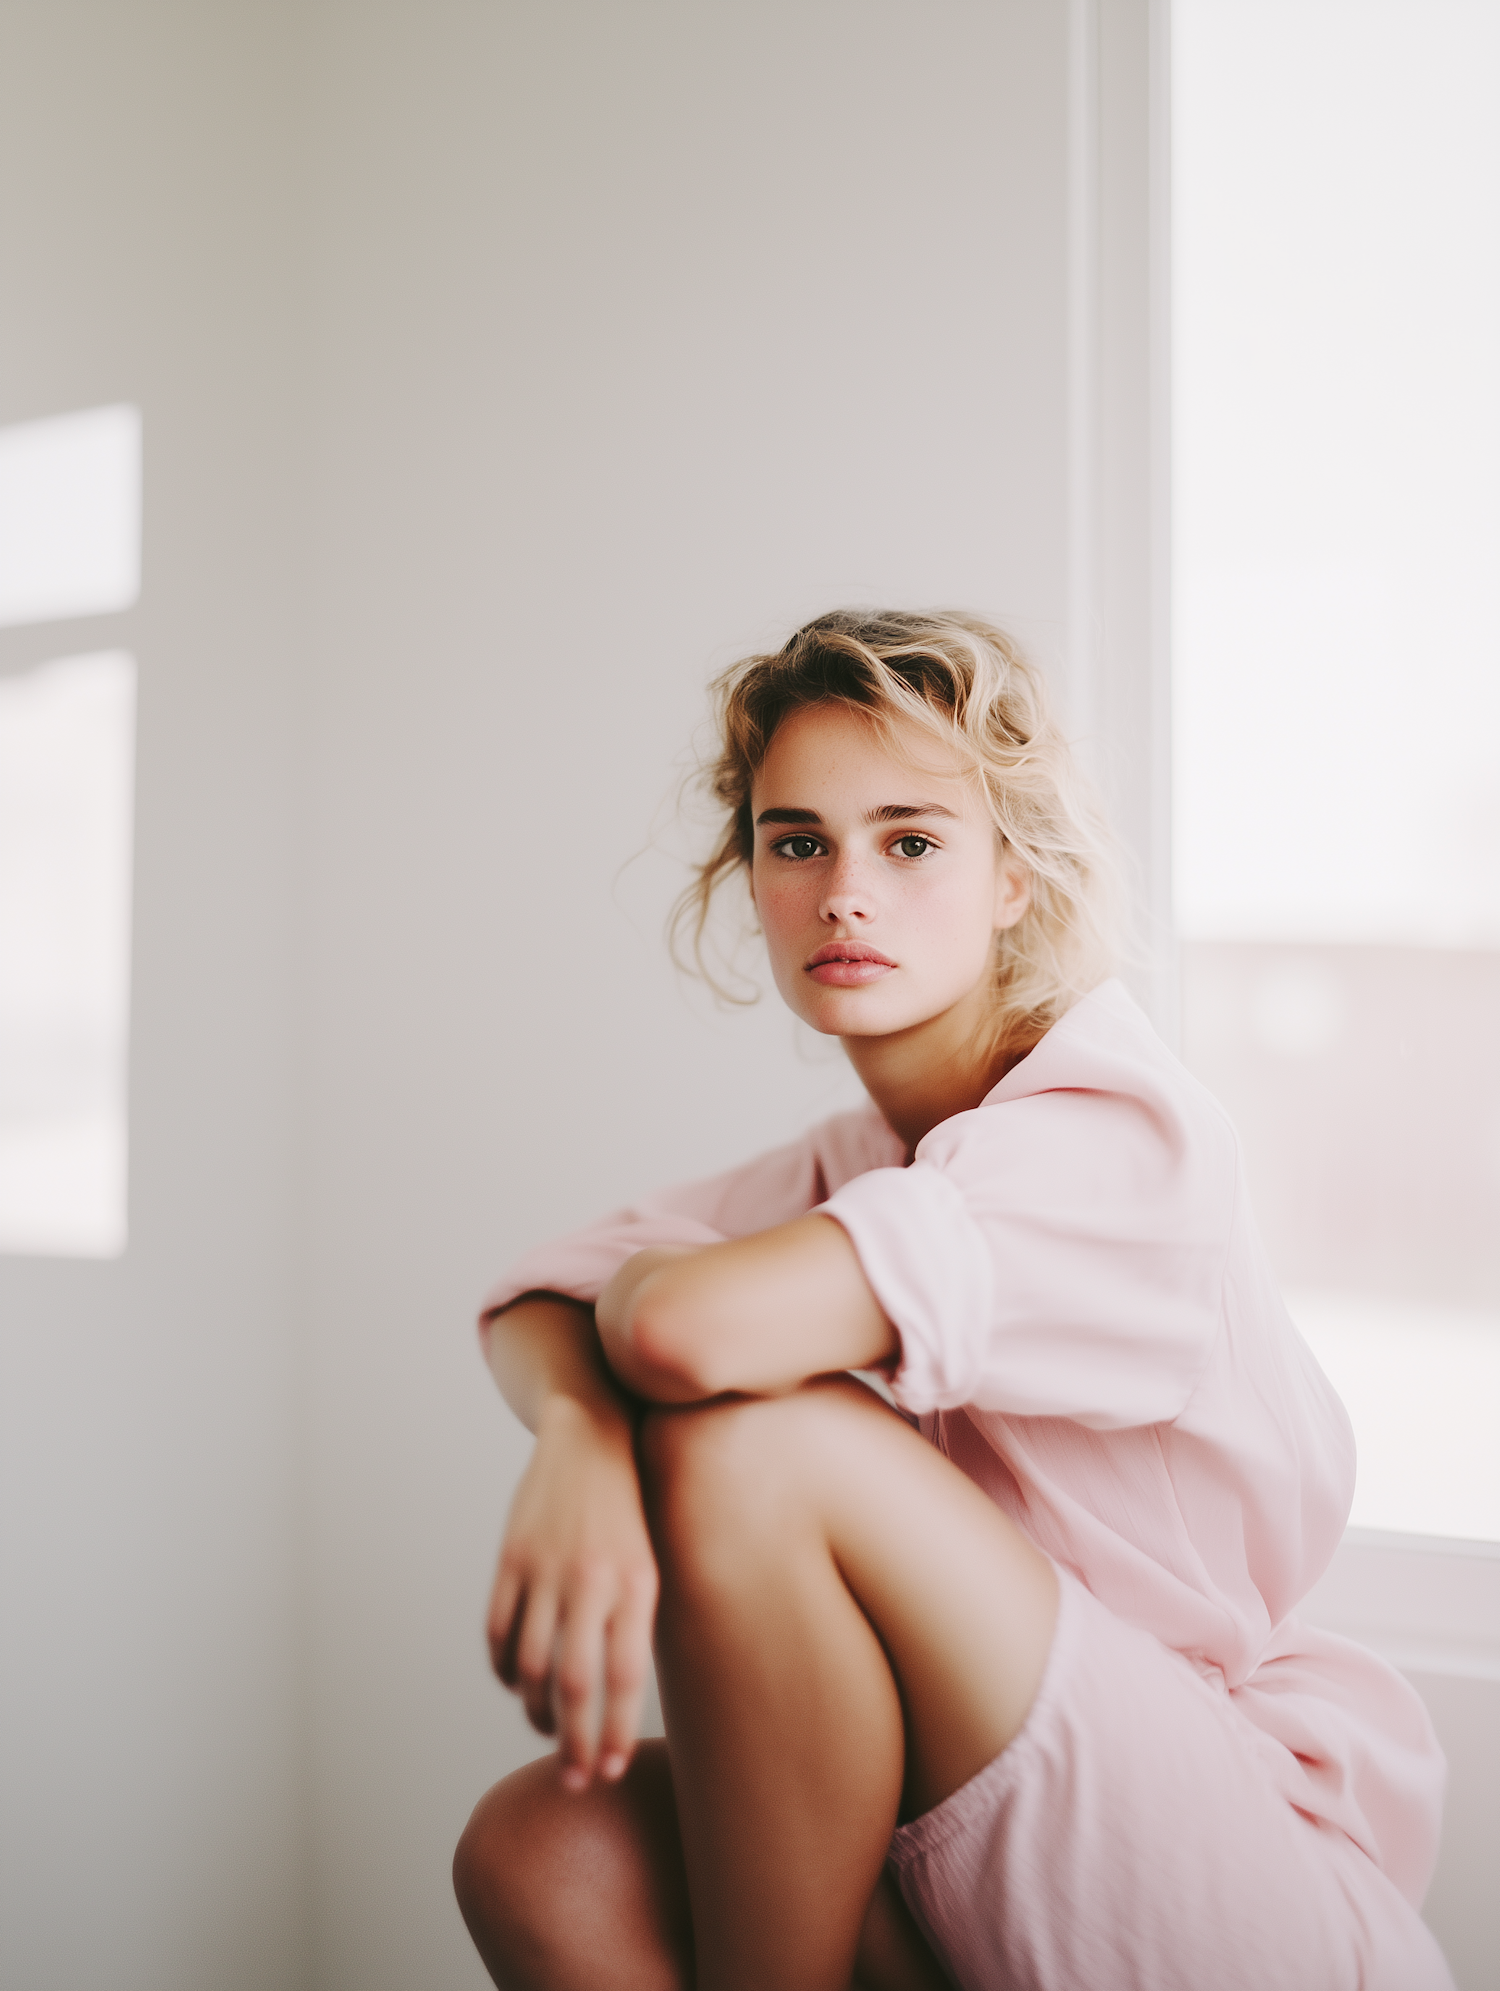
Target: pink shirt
x,y
1090,1330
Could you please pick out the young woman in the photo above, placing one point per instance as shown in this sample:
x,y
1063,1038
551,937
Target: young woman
x,y
1001,1687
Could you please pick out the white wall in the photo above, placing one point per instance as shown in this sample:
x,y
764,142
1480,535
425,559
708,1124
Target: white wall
x,y
150,1819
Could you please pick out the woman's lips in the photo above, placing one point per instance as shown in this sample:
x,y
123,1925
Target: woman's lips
x,y
848,965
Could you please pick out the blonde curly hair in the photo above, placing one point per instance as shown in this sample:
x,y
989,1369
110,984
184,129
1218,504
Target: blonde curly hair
x,y
968,687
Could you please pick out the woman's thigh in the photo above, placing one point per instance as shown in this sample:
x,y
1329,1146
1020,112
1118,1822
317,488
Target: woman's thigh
x,y
962,1602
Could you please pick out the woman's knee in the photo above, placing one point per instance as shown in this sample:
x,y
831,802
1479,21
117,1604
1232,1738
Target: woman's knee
x,y
718,1473
689,1453
504,1868
558,1887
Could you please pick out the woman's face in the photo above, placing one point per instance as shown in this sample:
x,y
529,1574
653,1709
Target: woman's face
x,y
879,888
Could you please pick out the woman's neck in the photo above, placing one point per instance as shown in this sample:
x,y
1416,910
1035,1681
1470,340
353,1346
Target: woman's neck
x,y
923,1076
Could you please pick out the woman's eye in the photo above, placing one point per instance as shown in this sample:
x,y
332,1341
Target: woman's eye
x,y
799,846
914,846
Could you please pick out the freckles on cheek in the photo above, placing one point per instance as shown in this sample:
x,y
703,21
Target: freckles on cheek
x,y
780,908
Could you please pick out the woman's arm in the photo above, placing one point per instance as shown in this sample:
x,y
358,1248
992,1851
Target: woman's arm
x,y
575,1593
543,1346
760,1314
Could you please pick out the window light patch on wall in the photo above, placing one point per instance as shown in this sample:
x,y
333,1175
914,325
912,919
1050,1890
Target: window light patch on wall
x,y
66,758
70,515
70,546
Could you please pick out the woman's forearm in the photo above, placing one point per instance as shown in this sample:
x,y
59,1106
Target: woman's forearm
x,y
756,1315
629,1357
543,1347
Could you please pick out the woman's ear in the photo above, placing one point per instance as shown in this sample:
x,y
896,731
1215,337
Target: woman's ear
x,y
1012,893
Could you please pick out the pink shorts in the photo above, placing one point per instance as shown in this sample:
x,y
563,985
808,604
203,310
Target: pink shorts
x,y
1129,1838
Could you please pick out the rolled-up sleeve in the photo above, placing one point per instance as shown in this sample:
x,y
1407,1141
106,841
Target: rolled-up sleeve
x,y
929,1265
1057,1255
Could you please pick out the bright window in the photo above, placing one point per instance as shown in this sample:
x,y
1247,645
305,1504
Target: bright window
x,y
1336,494
69,547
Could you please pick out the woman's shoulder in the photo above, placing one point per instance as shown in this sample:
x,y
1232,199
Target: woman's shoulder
x,y
1107,1045
1100,1102
1105,1040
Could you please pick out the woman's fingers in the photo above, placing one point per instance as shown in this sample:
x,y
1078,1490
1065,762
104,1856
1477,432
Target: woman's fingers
x,y
578,1654
627,1661
513,1608
570,1613
578,1670
530,1655
501,1626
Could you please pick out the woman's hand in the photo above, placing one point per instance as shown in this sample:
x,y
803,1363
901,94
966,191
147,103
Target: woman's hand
x,y
575,1594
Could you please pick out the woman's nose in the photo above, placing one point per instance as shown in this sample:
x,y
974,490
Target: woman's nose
x,y
848,896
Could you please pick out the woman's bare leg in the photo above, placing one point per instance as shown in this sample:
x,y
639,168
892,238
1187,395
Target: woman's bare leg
x,y
848,1631
566,1892
815,1552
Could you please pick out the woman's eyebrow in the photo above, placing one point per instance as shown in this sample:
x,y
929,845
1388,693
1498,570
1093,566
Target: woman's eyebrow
x,y
900,812
888,812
